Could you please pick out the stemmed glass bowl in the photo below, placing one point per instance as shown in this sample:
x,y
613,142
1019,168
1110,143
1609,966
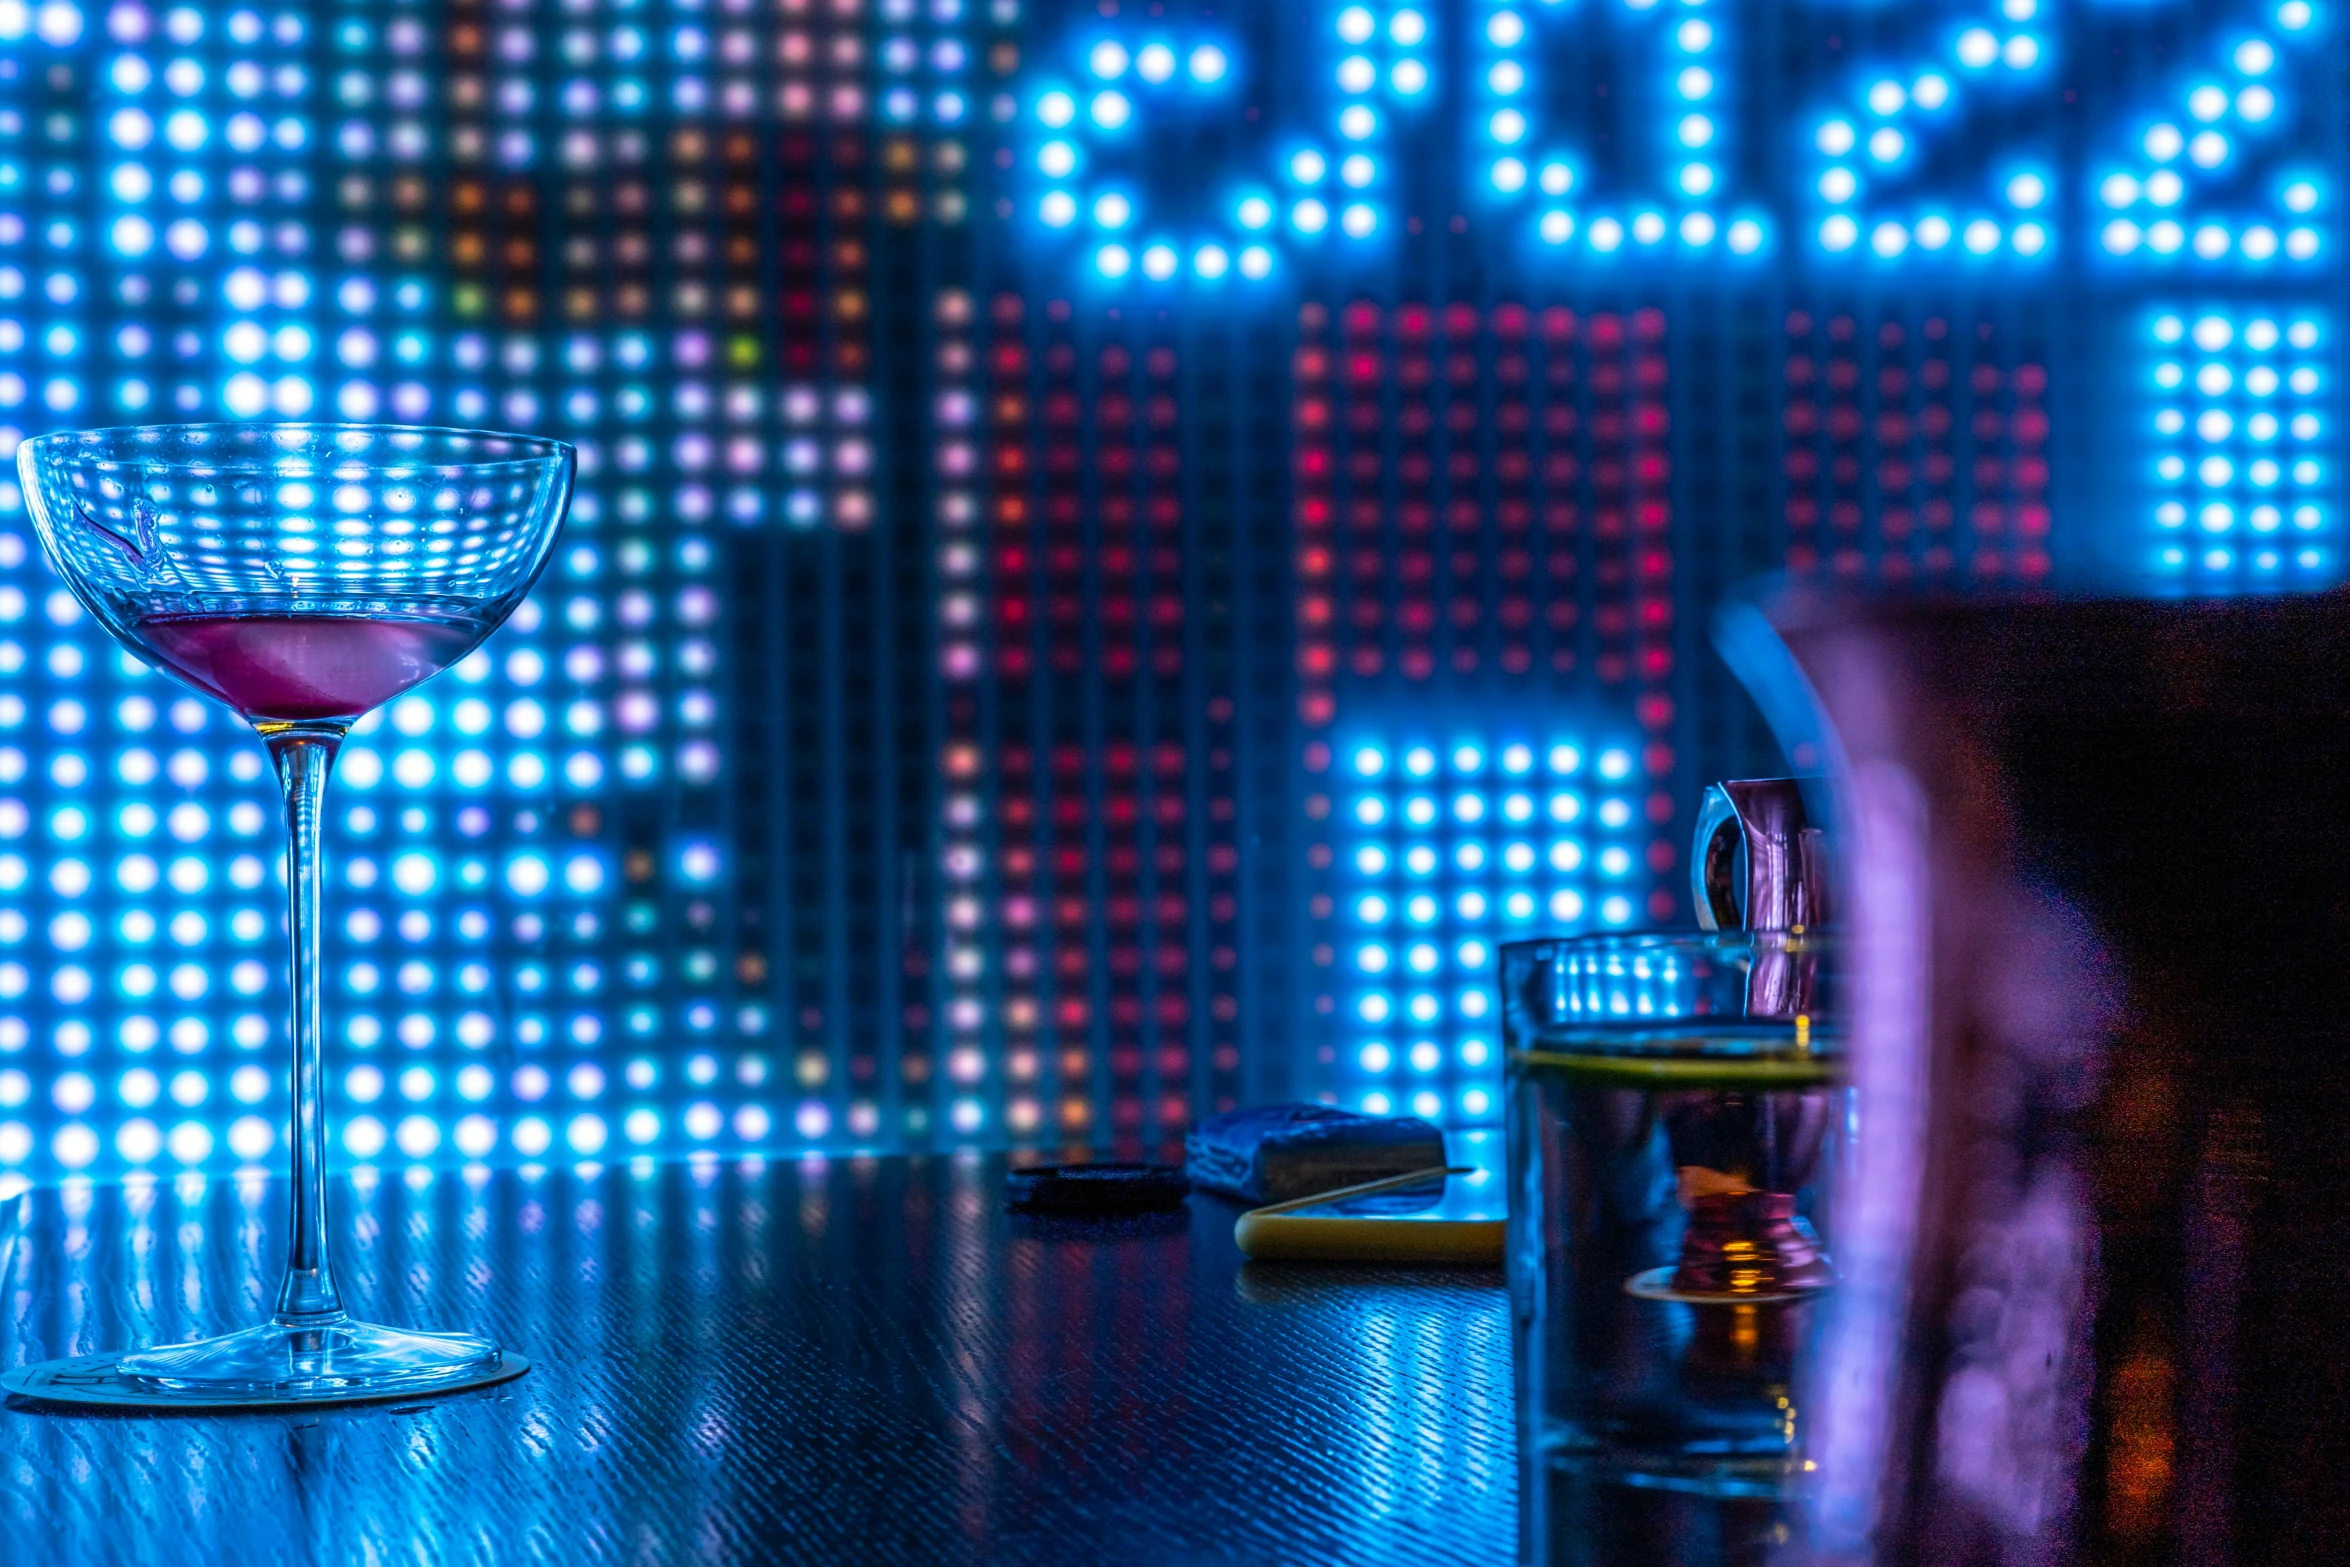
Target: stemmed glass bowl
x,y
303,574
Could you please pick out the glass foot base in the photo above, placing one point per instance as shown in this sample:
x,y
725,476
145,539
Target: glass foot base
x,y
331,1359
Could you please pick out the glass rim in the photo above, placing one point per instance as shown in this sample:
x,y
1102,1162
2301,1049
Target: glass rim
x,y
546,448
1694,1040
1809,939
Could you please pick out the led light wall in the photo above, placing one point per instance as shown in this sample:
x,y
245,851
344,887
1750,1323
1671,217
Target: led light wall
x,y
1034,456
2240,483
1448,848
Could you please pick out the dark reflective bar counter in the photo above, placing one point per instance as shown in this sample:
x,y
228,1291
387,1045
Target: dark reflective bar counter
x,y
845,1360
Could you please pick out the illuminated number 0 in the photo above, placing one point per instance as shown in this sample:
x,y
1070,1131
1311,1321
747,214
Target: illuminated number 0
x,y
1521,162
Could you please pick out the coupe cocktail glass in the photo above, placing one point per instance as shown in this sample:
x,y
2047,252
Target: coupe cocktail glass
x,y
303,574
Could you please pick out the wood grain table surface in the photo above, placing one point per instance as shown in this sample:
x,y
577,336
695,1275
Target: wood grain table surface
x,y
845,1361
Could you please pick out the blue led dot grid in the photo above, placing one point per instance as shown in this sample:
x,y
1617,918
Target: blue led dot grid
x,y
536,218
138,946
637,1022
140,941
1444,850
451,975
142,986
2241,465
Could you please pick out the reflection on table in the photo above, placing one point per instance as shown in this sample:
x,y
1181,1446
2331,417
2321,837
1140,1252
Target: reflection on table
x,y
847,1360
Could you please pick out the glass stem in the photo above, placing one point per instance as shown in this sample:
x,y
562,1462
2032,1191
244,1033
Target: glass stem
x,y
305,754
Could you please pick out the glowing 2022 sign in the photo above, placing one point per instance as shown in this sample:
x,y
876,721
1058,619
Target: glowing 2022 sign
x,y
2206,180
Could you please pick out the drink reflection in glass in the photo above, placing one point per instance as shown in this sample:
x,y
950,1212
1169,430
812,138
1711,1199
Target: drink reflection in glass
x,y
1675,1112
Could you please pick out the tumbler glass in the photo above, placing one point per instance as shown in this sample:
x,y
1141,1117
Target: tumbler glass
x,y
1676,1112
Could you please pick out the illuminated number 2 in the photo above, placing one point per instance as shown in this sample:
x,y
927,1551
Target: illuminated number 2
x,y
1325,190
1860,151
2169,203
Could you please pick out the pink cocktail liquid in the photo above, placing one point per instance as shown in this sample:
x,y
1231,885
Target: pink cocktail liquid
x,y
303,668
